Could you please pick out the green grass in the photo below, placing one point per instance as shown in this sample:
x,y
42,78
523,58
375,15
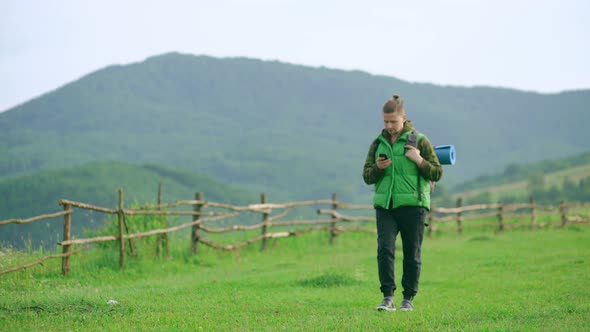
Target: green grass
x,y
479,281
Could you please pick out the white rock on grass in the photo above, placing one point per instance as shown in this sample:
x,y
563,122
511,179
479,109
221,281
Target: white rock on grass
x,y
112,302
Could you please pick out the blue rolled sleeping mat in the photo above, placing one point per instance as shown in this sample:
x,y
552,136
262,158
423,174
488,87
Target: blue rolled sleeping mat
x,y
445,154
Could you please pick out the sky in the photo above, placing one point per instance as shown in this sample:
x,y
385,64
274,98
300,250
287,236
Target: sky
x,y
533,45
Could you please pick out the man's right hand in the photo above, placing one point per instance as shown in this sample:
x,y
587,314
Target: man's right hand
x,y
383,163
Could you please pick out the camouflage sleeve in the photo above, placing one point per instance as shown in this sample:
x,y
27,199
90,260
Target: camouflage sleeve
x,y
430,167
372,174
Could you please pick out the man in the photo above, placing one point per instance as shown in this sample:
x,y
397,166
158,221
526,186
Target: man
x,y
403,165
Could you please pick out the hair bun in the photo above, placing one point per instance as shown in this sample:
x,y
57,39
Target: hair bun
x,y
396,97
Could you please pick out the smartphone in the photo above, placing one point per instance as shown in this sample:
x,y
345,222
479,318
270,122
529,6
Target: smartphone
x,y
383,155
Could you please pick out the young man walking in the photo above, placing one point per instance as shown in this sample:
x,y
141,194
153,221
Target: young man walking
x,y
402,164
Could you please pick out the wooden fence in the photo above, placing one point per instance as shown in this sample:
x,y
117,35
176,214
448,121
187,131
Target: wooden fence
x,y
438,219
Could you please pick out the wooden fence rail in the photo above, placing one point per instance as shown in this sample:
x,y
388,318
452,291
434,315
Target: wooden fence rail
x,y
41,260
141,235
37,218
437,216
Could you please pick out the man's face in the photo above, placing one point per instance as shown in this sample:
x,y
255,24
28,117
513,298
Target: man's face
x,y
394,123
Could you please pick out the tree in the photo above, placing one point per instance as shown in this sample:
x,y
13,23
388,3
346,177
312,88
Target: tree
x,y
536,182
512,170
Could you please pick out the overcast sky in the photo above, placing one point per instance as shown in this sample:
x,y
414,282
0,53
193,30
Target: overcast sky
x,y
536,45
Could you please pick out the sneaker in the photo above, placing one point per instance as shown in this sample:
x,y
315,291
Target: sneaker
x,y
387,304
406,305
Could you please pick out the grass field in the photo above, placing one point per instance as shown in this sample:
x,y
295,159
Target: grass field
x,y
520,280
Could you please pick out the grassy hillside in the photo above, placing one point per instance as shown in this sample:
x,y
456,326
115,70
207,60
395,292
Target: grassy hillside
x,y
97,183
517,281
276,127
568,179
521,188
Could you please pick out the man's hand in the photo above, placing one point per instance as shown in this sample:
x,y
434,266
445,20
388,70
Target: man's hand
x,y
413,154
383,163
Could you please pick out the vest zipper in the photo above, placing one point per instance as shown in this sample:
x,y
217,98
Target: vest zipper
x,y
419,187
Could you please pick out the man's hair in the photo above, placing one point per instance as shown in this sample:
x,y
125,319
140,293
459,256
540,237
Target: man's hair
x,y
394,105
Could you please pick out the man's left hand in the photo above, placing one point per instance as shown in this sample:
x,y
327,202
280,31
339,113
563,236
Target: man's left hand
x,y
413,154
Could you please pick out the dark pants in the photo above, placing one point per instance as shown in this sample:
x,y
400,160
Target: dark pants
x,y
409,222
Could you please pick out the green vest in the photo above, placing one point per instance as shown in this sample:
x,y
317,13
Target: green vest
x,y
402,184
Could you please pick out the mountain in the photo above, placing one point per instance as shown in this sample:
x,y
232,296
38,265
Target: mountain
x,y
96,183
289,130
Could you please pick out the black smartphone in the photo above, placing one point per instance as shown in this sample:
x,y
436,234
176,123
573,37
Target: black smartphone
x,y
383,155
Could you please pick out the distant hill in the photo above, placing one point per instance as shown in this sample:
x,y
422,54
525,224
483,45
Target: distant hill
x,y
285,129
97,183
549,181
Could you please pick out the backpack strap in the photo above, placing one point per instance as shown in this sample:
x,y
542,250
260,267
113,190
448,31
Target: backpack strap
x,y
375,145
412,139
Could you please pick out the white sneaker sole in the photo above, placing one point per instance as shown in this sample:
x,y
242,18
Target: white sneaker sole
x,y
380,308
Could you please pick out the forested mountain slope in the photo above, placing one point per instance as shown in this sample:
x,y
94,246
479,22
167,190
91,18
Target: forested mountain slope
x,y
276,127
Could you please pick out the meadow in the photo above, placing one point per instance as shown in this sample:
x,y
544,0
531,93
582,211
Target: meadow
x,y
518,280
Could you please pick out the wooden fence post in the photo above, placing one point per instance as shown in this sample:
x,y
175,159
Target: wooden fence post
x,y
533,214
195,228
163,244
265,224
121,220
333,224
65,263
459,215
563,213
501,217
